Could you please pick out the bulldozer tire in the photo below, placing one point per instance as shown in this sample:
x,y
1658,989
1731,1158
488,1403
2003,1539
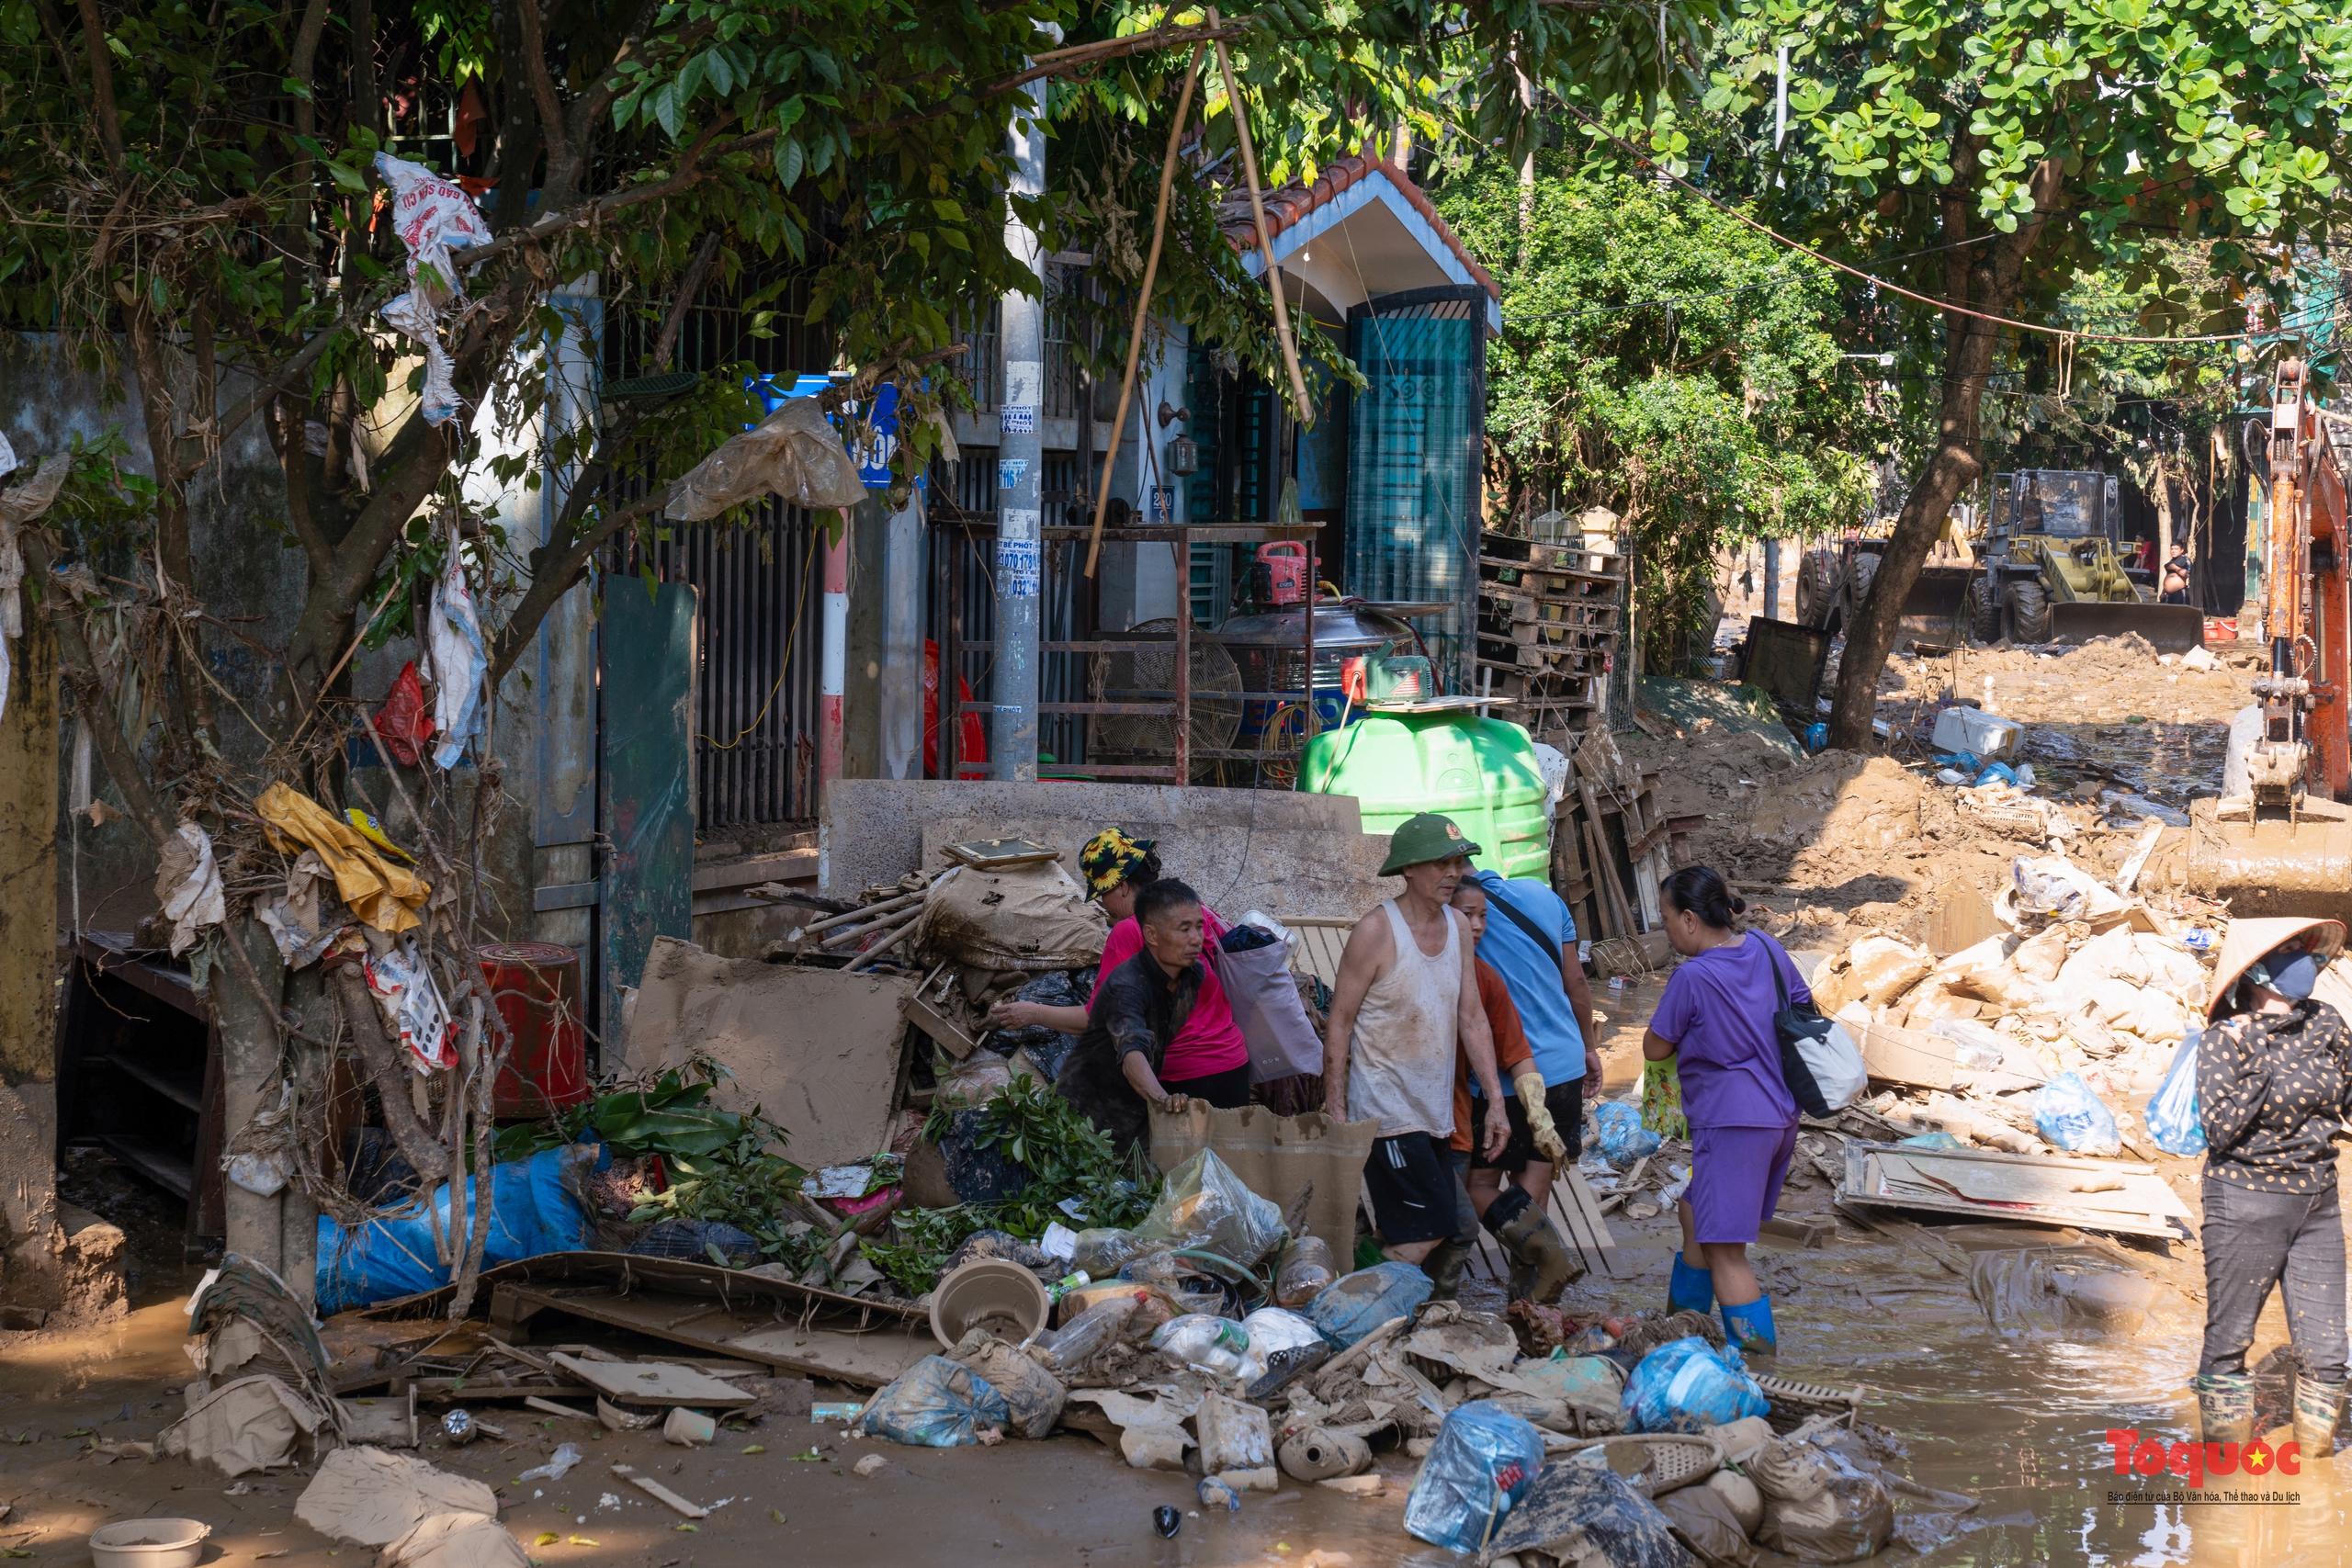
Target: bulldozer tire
x,y
1984,611
2029,612
1859,578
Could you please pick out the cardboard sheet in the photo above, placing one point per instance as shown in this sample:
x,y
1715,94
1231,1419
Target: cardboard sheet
x,y
2035,1189
817,1049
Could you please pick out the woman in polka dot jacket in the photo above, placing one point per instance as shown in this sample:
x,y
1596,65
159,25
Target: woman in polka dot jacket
x,y
2274,1091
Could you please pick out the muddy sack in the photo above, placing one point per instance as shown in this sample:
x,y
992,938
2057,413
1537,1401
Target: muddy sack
x,y
1587,1514
1032,1394
1482,1463
535,1209
1687,1385
1846,1521
1030,917
935,1404
1355,1305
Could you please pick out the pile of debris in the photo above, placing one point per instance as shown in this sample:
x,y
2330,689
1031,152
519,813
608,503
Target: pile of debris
x,y
2034,1042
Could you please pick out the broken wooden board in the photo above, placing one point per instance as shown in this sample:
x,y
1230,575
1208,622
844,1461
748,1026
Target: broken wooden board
x,y
1905,1055
653,1383
1961,918
816,1050
2034,1189
740,1314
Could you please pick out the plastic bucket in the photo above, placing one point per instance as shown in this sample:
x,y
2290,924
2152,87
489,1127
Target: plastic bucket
x,y
149,1543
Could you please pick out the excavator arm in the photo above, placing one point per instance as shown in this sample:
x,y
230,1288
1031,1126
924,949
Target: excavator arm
x,y
2306,614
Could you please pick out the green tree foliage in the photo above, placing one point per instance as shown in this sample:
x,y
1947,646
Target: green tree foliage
x,y
1662,359
1987,156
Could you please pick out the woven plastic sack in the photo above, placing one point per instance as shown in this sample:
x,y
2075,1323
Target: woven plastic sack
x,y
1203,1204
935,1404
1355,1305
1624,1139
1662,1099
1482,1463
2069,1114
2175,1120
1685,1381
1589,1513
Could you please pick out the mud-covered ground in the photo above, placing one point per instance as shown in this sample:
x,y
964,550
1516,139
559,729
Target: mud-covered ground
x,y
1976,1393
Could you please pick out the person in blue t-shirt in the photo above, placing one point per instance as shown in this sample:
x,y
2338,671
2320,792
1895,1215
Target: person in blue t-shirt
x,y
1530,940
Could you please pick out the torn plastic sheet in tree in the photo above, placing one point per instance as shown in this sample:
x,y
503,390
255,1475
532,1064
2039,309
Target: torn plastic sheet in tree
x,y
404,987
18,506
454,649
794,452
187,881
379,893
431,216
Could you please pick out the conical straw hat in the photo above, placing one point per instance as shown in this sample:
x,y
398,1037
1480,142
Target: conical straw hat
x,y
2249,939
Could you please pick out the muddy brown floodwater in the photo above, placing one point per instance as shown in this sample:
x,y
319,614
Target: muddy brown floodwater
x,y
2016,1415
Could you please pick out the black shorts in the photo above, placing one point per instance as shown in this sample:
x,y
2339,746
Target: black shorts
x,y
1227,1090
1411,1178
1565,1103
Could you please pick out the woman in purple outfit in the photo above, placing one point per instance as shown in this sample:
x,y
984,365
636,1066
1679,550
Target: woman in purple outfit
x,y
1715,1024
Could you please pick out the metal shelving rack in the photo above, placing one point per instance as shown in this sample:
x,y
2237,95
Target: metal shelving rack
x,y
1175,704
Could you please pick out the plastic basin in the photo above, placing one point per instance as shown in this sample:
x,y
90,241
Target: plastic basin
x,y
149,1543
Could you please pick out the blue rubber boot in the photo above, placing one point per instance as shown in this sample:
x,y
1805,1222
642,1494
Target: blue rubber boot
x,y
1749,1327
1688,1289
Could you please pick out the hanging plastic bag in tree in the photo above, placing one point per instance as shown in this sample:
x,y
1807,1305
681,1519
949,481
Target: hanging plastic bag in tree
x,y
402,722
404,987
432,216
453,647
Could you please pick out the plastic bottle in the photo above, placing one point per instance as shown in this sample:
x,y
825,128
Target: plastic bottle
x,y
1213,1344
1087,1336
1305,1268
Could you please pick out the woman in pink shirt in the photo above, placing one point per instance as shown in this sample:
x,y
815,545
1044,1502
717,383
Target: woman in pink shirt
x,y
1208,1059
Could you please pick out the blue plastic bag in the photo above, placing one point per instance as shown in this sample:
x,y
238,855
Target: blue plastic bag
x,y
1482,1463
534,1209
2175,1120
1355,1305
935,1404
1624,1139
1999,773
1688,1378
2068,1114
1967,762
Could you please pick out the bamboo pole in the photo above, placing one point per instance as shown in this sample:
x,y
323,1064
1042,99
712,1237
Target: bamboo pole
x,y
1265,241
1143,308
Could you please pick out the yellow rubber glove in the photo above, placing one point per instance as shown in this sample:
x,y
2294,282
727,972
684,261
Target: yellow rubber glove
x,y
1539,1117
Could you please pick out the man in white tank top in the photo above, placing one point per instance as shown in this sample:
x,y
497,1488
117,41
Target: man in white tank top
x,y
1408,989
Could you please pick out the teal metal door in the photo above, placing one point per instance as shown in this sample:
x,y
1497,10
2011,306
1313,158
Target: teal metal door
x,y
647,796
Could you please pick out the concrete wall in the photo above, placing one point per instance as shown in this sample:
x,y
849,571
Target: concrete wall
x,y
1286,853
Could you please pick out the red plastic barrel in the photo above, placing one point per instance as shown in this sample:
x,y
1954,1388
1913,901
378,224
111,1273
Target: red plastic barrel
x,y
537,987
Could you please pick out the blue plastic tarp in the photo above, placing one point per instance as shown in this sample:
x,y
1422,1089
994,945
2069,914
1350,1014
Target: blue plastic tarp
x,y
535,1209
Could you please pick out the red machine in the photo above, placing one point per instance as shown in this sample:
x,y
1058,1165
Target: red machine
x,y
1287,567
536,986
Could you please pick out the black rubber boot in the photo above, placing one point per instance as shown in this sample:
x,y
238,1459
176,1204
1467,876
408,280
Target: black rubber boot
x,y
1444,1265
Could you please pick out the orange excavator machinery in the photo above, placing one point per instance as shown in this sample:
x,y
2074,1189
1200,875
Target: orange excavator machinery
x,y
2280,843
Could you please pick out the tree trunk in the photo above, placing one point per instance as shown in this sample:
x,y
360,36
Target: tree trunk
x,y
249,1084
1990,285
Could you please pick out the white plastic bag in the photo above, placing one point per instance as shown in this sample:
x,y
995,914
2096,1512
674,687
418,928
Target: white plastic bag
x,y
1213,1344
431,216
453,649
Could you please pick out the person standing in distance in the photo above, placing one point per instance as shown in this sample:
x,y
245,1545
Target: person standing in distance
x,y
1406,991
1715,1023
1530,938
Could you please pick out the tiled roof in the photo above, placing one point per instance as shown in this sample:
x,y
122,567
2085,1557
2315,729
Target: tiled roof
x,y
1294,202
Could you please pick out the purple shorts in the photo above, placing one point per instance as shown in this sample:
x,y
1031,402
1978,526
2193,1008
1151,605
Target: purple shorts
x,y
1735,1176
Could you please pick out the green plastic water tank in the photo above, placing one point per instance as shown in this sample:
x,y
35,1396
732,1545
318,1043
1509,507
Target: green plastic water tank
x,y
1480,772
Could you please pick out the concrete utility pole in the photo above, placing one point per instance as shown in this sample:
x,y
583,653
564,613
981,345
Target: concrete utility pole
x,y
1020,462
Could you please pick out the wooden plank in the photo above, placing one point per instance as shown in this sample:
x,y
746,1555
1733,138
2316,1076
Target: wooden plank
x,y
651,1383
1581,1220
1808,1234
1906,1056
870,1356
919,1012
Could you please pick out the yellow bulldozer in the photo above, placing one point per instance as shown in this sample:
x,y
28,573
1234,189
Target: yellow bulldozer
x,y
2049,569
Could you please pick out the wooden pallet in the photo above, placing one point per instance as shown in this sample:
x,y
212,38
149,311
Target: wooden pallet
x,y
1504,549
